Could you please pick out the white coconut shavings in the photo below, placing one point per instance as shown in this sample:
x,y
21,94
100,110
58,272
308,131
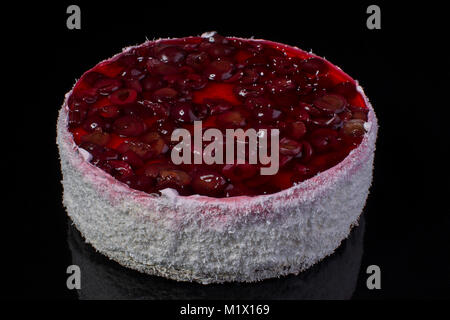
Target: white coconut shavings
x,y
197,238
85,154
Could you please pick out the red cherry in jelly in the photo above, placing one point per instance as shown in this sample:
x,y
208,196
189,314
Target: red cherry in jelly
x,y
94,122
314,66
173,178
151,83
323,139
296,129
129,126
173,55
332,103
123,96
354,128
165,93
109,111
197,59
132,158
290,147
106,86
208,183
182,112
239,172
156,67
216,106
121,168
219,70
346,89
97,137
141,149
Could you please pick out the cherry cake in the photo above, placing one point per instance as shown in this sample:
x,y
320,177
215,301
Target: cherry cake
x,y
215,222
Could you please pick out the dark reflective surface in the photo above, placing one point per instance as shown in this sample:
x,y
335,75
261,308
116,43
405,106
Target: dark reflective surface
x,y
333,278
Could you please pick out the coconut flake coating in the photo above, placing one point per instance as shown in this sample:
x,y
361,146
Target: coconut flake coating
x,y
211,240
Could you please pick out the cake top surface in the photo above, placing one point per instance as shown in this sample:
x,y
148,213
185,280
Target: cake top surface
x,y
158,116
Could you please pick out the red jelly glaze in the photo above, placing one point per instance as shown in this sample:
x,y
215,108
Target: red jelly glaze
x,y
124,110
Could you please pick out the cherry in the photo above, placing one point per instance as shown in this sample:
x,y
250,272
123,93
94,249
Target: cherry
x,y
239,172
358,112
77,114
361,115
220,50
266,114
252,75
354,128
97,137
193,81
173,178
123,96
323,139
290,147
331,103
243,92
237,189
219,70
334,121
106,86
171,55
346,114
109,111
94,122
216,106
157,143
280,85
346,89
151,83
133,84
296,129
157,109
314,66
141,149
165,94
121,168
197,59
132,158
208,183
155,66
257,102
139,182
282,180
232,118
307,151
304,170
182,112
286,100
129,126
88,96
133,74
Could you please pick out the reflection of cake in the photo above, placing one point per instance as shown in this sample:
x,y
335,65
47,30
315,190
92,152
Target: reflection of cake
x,y
333,278
114,141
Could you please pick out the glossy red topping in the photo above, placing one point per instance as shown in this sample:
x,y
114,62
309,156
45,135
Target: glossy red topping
x,y
124,111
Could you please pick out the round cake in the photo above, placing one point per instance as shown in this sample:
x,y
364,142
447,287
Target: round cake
x,y
134,201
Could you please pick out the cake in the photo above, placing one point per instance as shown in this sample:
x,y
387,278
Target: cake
x,y
219,222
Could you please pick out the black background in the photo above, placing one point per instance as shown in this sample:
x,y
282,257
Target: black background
x,y
403,68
